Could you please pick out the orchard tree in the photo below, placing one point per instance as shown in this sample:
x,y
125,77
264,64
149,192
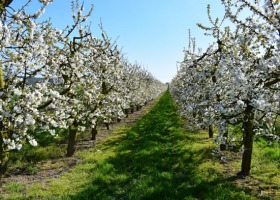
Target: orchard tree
x,y
241,85
107,71
27,48
255,68
31,49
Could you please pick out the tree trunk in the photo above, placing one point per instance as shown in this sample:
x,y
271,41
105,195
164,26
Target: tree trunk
x,y
94,133
72,139
132,110
107,126
119,120
194,115
223,146
126,112
4,154
248,135
4,157
210,131
2,82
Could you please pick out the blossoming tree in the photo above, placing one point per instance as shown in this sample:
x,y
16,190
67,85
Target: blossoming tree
x,y
52,79
236,81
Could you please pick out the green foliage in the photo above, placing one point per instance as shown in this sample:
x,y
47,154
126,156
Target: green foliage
x,y
266,162
25,160
31,169
44,138
14,187
268,149
272,154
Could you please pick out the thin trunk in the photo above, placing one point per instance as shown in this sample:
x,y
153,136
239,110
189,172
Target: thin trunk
x,y
210,131
132,110
194,115
126,112
223,145
248,135
4,157
2,82
107,126
119,120
72,139
4,154
94,133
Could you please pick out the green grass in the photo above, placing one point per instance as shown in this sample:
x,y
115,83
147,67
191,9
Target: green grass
x,y
49,148
154,159
14,187
266,162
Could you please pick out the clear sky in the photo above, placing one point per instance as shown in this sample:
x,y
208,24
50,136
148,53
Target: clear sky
x,y
151,32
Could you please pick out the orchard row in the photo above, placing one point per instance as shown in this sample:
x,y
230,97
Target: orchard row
x,y
62,79
234,84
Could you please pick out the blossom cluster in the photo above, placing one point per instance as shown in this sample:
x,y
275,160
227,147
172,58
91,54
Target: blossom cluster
x,y
237,79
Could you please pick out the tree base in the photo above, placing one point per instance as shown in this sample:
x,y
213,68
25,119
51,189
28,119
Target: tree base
x,y
242,174
93,134
223,147
107,126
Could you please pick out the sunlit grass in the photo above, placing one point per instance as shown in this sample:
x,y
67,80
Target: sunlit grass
x,y
266,162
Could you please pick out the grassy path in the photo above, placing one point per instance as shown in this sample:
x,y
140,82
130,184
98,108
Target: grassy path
x,y
154,159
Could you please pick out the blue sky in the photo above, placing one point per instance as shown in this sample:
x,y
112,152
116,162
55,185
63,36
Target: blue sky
x,y
151,32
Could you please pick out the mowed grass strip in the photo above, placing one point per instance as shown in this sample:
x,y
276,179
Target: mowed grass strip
x,y
153,159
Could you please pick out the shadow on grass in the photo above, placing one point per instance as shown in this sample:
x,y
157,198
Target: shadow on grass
x,y
155,159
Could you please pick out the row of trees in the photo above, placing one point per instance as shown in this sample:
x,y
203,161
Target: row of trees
x,y
235,82
53,79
